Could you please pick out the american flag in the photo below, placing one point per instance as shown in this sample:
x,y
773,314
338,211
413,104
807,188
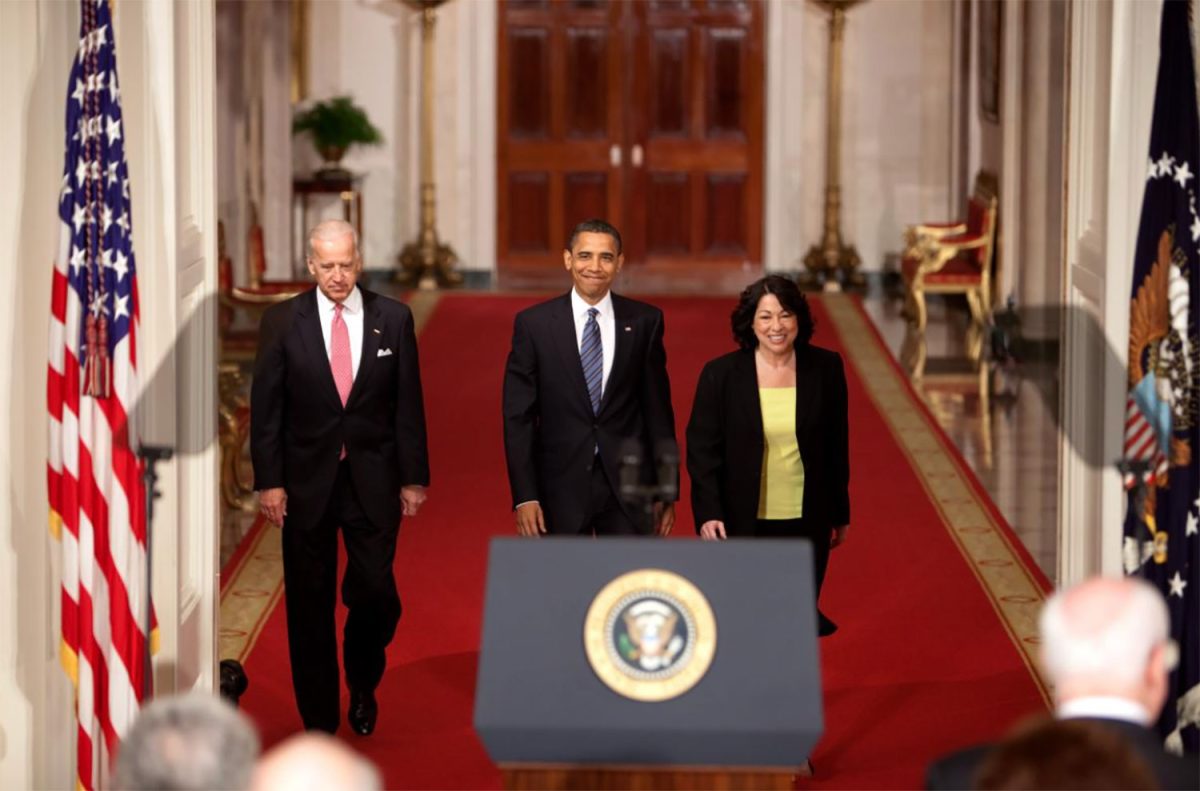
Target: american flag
x,y
1162,417
96,490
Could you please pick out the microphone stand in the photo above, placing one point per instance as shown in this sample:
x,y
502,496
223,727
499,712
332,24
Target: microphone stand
x,y
150,455
664,489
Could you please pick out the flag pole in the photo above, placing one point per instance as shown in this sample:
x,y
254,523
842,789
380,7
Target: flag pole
x,y
150,455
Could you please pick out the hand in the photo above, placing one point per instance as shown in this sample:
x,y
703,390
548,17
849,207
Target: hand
x,y
713,530
530,522
273,504
664,518
839,536
411,499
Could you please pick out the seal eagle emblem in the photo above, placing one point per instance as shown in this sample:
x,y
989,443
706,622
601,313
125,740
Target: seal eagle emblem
x,y
650,635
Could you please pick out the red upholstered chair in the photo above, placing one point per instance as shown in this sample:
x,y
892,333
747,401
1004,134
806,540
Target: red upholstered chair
x,y
251,300
954,258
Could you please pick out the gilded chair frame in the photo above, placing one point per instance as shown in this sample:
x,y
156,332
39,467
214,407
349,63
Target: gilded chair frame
x,y
934,245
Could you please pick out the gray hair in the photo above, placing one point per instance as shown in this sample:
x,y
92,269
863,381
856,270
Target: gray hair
x,y
193,742
331,229
1103,629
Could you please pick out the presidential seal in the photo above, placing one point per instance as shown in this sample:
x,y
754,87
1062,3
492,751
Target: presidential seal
x,y
650,635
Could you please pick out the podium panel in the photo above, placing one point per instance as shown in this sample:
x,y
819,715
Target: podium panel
x,y
724,634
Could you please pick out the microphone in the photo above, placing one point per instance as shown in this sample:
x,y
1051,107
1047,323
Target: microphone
x,y
630,470
666,457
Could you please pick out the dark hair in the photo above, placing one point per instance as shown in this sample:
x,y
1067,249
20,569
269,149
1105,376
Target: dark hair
x,y
594,226
789,296
1064,754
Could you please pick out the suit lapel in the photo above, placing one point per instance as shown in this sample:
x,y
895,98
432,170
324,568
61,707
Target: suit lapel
x,y
373,330
562,330
314,345
745,381
623,332
808,387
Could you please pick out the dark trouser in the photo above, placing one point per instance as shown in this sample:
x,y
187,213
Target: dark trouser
x,y
605,517
368,591
819,536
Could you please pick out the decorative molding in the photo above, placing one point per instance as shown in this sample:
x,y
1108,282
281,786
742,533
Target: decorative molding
x,y
1112,76
1011,117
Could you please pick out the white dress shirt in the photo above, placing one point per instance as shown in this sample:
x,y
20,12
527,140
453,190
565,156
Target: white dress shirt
x,y
352,314
608,329
1104,707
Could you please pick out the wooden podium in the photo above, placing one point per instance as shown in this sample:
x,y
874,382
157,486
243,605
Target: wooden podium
x,y
547,777
556,710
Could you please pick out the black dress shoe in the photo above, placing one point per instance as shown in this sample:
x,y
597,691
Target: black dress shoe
x,y
825,627
362,713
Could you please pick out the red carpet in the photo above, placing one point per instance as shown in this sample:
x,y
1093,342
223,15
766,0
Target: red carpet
x,y
922,662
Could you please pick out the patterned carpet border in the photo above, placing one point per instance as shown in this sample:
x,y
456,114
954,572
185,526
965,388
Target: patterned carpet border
x,y
1015,591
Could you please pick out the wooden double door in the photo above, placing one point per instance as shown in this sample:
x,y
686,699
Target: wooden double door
x,y
647,113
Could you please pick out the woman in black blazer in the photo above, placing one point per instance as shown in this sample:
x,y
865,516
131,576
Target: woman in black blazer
x,y
759,467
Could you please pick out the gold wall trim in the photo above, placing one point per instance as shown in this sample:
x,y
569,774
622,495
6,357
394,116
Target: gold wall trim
x,y
1014,591
255,584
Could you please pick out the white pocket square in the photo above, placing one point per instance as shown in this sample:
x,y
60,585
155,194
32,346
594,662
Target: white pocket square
x,y
384,353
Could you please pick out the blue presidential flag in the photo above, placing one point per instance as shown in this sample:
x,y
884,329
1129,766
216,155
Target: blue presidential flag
x,y
1162,539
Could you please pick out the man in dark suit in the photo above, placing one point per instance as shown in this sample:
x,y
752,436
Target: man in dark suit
x,y
587,373
337,430
1106,652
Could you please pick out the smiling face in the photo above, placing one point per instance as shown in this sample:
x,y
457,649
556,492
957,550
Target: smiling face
x,y
335,263
593,262
775,326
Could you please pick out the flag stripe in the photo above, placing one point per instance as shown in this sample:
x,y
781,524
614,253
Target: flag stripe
x,y
94,479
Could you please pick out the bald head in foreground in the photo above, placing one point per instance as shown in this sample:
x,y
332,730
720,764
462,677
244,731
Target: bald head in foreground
x,y
315,762
1107,654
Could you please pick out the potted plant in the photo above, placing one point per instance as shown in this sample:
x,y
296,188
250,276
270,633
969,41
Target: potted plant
x,y
335,125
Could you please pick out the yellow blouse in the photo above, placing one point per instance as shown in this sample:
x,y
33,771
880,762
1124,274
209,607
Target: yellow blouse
x,y
782,492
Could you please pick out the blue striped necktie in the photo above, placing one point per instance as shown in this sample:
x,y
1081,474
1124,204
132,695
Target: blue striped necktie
x,y
591,354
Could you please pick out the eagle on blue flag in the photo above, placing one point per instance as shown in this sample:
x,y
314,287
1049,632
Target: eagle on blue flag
x,y
1162,523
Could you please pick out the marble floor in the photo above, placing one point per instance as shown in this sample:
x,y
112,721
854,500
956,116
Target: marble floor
x,y
1002,417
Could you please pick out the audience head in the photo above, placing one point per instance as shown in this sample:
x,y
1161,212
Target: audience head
x,y
315,762
1065,755
192,742
790,299
1107,637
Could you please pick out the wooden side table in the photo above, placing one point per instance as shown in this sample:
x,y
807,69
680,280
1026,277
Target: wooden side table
x,y
348,189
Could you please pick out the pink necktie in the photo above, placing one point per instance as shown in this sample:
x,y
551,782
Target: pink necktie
x,y
339,355
339,359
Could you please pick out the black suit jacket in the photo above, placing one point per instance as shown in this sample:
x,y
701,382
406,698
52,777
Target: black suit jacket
x,y
298,424
725,440
958,770
550,433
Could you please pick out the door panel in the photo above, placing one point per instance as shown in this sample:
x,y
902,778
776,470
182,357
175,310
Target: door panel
x,y
648,114
698,119
559,118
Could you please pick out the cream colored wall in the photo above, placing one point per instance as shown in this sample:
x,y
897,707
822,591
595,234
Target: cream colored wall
x,y
165,61
358,49
37,41
254,116
165,54
898,125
